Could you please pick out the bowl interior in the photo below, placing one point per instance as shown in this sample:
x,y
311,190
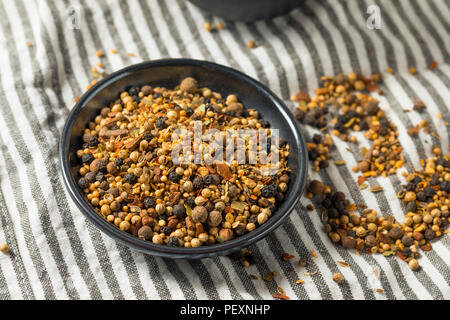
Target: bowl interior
x,y
169,73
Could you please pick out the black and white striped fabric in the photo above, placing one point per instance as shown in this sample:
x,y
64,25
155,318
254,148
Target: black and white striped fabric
x,y
57,254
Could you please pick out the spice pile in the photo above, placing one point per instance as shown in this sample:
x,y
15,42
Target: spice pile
x,y
357,111
128,175
426,199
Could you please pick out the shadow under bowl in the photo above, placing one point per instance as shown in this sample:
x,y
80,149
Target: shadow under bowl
x,y
169,73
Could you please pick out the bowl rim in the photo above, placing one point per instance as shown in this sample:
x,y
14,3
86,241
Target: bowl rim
x,y
298,178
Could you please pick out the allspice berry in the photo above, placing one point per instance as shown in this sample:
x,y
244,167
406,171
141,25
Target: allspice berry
x,y
348,243
395,233
215,218
316,187
189,84
363,166
199,214
145,233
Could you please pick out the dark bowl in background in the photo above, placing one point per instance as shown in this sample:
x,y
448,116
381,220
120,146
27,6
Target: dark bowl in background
x,y
247,10
169,73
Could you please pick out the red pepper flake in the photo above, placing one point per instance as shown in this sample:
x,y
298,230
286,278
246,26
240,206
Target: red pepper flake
x,y
379,291
301,96
224,170
211,170
361,180
280,296
433,65
372,87
426,247
287,256
401,255
253,277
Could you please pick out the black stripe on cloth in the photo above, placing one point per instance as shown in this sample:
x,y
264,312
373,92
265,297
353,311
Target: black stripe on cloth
x,y
205,279
182,281
313,18
438,14
130,25
132,272
193,31
420,15
437,98
289,46
306,37
333,18
234,293
166,15
7,225
276,64
244,277
28,235
157,279
415,35
4,290
152,27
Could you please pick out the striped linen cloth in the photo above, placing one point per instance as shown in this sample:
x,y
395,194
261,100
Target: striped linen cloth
x,y
57,254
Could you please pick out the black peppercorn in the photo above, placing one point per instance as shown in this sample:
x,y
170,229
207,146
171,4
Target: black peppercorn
x,y
148,136
190,202
197,182
179,210
149,202
93,142
173,242
83,183
269,191
166,230
161,123
130,178
87,158
174,177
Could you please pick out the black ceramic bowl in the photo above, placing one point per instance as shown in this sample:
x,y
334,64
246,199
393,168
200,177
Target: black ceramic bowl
x,y
247,10
169,73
